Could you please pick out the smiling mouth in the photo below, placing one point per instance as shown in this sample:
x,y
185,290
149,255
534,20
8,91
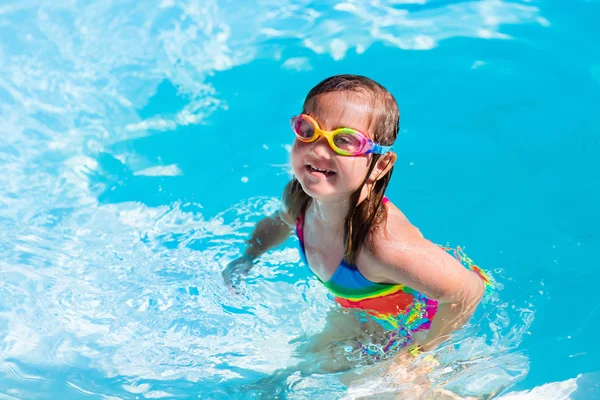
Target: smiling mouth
x,y
325,172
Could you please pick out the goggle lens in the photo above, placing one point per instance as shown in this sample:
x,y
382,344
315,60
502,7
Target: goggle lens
x,y
348,141
303,128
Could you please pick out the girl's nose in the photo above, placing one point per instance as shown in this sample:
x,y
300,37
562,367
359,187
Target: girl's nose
x,y
321,148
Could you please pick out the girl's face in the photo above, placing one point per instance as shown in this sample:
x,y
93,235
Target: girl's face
x,y
322,172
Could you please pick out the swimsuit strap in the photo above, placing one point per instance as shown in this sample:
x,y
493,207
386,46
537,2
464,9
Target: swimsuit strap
x,y
299,232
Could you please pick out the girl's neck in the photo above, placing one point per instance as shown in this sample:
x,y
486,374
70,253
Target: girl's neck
x,y
330,214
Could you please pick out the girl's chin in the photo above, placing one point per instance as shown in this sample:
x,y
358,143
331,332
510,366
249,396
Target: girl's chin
x,y
320,190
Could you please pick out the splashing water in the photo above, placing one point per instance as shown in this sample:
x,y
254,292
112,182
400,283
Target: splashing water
x,y
118,294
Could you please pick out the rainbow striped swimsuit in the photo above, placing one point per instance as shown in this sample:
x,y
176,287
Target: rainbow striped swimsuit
x,y
395,306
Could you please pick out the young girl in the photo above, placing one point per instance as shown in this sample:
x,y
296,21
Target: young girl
x,y
356,241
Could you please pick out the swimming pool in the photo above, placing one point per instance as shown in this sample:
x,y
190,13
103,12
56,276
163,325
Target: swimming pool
x,y
141,141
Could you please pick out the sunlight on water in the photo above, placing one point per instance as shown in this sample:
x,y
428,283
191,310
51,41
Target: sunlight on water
x,y
130,294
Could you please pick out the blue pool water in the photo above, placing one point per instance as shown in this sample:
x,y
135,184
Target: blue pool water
x,y
141,141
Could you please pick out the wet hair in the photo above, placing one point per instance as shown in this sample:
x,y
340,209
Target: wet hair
x,y
385,119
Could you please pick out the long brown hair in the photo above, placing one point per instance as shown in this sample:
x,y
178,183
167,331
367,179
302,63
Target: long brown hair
x,y
363,217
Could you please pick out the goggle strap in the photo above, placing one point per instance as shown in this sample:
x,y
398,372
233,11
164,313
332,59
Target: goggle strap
x,y
379,149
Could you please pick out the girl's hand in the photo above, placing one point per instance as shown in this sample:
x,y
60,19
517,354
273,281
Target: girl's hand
x,y
236,270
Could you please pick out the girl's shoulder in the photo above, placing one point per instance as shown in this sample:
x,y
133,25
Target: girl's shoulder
x,y
395,226
394,233
391,245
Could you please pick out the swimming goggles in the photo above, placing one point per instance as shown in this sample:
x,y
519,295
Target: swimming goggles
x,y
344,141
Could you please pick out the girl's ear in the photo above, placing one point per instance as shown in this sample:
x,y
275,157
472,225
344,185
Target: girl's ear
x,y
382,166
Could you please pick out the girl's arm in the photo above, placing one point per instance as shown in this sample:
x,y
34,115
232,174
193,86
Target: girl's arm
x,y
268,233
416,262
